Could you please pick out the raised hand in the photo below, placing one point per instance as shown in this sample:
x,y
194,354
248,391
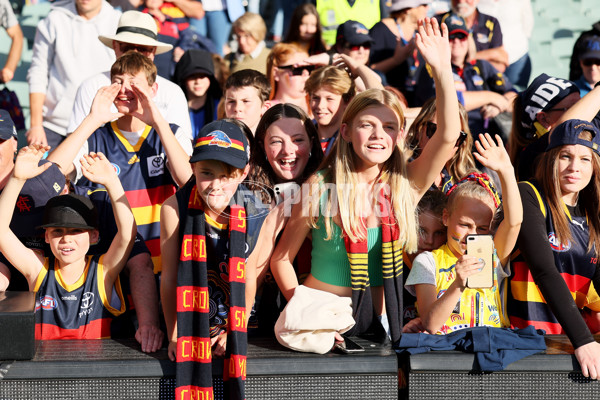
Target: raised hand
x,y
432,42
27,162
103,101
97,168
150,113
491,154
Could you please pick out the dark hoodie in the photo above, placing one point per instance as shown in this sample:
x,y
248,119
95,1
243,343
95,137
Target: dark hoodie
x,y
194,62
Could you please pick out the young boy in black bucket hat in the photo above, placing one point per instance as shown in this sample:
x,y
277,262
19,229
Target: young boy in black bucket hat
x,y
78,294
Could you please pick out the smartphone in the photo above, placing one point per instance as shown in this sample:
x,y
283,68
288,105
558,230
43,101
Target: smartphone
x,y
285,190
348,346
481,246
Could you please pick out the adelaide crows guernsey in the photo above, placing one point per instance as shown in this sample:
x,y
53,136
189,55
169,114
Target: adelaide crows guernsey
x,y
77,311
144,175
574,262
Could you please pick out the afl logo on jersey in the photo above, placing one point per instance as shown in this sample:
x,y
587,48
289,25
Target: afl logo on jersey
x,y
48,303
116,168
556,246
219,138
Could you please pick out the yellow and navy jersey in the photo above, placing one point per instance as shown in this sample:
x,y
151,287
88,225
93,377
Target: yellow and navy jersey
x,y
144,175
77,311
476,307
574,262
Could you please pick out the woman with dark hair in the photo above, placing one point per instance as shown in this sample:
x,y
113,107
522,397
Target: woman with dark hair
x,y
287,148
305,30
559,243
286,153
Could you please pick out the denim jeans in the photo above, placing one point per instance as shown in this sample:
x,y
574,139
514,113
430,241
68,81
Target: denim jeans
x,y
216,26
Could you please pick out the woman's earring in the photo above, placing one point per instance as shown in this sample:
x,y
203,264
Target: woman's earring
x,y
309,154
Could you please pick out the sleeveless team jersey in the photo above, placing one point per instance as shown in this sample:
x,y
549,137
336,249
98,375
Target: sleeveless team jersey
x,y
145,178
77,311
526,305
476,307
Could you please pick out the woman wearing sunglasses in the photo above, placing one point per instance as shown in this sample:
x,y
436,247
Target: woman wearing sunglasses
x,y
485,91
287,77
462,160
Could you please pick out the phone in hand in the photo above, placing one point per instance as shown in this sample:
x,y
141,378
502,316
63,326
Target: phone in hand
x,y
285,190
481,246
348,346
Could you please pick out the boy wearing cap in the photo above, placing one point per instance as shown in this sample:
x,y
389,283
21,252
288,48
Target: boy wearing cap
x,y
79,295
140,144
208,229
589,61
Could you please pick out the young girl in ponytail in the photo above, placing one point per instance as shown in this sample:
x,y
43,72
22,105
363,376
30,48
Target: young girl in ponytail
x,y
439,278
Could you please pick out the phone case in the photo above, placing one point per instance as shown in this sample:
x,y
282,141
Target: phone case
x,y
481,246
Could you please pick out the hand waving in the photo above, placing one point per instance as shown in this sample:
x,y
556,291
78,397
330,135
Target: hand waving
x,y
433,44
491,154
27,162
97,168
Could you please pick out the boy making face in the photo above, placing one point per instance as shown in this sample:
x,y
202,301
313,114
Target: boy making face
x,y
245,94
150,155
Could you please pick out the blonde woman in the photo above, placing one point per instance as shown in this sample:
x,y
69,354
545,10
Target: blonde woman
x,y
365,198
250,31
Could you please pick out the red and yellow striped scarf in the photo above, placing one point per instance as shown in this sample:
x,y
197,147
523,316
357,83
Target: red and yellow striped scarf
x,y
194,356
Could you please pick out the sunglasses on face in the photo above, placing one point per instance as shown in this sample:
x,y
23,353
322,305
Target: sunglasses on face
x,y
459,36
591,61
431,127
298,70
125,47
365,46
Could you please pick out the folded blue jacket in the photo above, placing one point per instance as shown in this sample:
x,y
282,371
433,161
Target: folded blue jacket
x,y
494,348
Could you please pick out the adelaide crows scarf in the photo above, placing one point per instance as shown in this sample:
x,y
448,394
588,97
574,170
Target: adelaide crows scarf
x,y
194,356
393,282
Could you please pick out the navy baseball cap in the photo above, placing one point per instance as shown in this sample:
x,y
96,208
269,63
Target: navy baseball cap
x,y
222,141
70,211
32,199
7,126
455,24
569,131
354,33
591,49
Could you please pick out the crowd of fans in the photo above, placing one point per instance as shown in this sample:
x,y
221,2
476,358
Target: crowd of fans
x,y
206,175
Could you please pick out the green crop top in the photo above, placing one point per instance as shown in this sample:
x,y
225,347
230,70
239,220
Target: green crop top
x,y
330,263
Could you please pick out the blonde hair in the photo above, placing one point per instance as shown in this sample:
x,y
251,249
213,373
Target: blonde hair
x,y
470,190
342,173
253,24
333,78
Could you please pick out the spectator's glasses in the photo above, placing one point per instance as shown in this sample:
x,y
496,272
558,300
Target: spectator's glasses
x,y
366,46
431,127
591,61
459,36
145,50
298,70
